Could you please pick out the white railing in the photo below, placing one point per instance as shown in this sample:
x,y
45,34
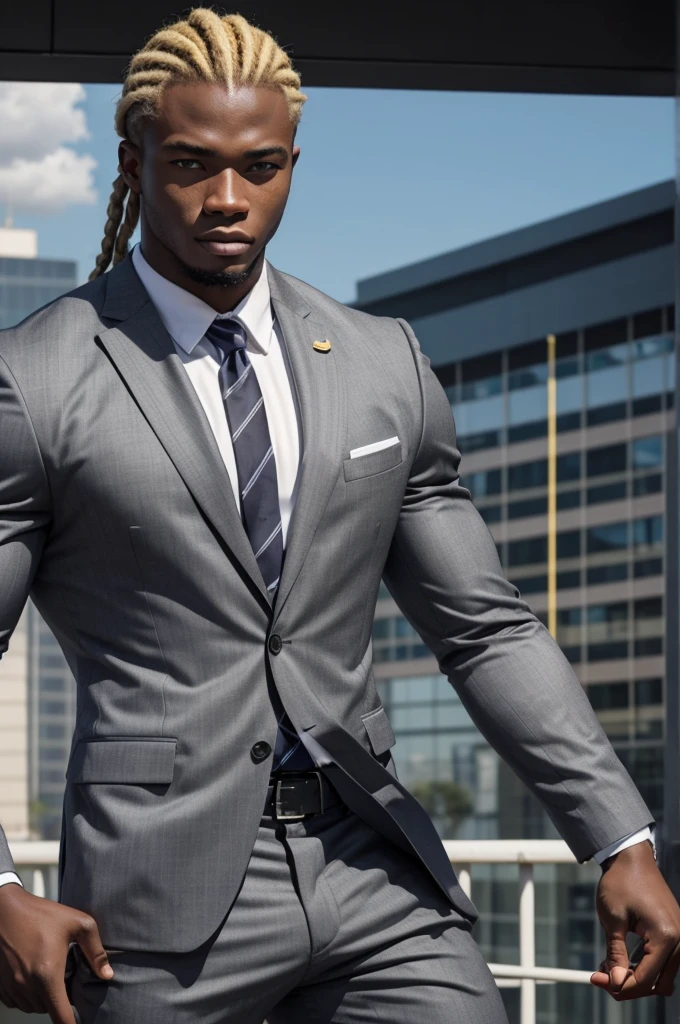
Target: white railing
x,y
527,853
37,862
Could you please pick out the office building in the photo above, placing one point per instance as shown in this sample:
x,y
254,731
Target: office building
x,y
601,280
37,690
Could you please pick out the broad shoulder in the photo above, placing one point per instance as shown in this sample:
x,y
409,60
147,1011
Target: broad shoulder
x,y
325,306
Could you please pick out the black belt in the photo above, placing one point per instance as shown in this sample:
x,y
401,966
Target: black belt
x,y
292,796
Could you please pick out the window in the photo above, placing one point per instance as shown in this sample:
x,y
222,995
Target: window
x,y
52,684
528,550
528,507
608,696
606,492
569,544
568,467
52,731
650,484
607,573
568,499
648,608
528,474
608,537
491,513
608,651
49,659
483,484
648,692
610,459
531,584
647,452
648,532
648,567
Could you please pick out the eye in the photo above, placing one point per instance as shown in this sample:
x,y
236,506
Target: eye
x,y
186,160
262,166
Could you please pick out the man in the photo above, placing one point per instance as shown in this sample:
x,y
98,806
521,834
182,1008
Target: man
x,y
206,468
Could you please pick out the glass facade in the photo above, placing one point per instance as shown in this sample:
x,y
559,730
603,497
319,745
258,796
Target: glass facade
x,y
615,388
28,284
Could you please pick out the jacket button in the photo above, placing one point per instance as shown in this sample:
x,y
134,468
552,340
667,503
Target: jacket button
x,y
260,751
275,643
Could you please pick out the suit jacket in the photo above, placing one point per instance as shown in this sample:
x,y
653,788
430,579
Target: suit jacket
x,y
117,515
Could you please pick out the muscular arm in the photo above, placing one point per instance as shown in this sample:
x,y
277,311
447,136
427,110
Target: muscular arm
x,y
443,571
24,518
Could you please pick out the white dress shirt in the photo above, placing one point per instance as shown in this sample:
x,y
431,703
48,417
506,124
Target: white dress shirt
x,y
187,318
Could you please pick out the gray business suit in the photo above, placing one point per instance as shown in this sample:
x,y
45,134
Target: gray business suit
x,y
116,512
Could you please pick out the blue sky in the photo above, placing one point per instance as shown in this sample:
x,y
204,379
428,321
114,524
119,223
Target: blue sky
x,y
390,177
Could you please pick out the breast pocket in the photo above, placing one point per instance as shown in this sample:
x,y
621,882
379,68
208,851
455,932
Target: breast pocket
x,y
374,463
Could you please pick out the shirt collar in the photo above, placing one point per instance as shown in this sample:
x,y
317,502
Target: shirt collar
x,y
186,317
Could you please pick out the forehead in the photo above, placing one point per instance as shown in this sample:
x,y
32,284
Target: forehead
x,y
213,114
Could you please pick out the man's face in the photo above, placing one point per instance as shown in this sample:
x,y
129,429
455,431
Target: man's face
x,y
215,163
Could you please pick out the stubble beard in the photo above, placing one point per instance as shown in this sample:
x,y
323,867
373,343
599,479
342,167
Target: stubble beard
x,y
220,278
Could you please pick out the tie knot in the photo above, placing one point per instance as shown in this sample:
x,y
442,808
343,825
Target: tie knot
x,y
227,334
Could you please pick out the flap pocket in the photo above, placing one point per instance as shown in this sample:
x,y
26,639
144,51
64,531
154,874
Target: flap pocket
x,y
379,730
144,760
376,462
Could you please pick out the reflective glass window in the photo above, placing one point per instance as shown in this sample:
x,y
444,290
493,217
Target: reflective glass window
x,y
527,405
607,387
484,388
648,692
569,544
652,346
648,377
647,452
603,358
611,458
568,466
648,531
480,416
528,377
484,483
528,474
570,394
608,537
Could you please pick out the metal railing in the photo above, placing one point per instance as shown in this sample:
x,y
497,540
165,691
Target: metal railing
x,y
37,862
463,854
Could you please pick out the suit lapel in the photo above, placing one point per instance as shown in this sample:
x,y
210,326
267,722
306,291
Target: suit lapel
x,y
145,356
318,388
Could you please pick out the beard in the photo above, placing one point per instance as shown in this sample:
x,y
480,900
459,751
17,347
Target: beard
x,y
220,278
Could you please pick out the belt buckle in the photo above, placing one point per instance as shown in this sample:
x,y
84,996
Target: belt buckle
x,y
282,815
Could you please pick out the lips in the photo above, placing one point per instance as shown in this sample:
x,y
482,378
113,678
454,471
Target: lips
x,y
225,243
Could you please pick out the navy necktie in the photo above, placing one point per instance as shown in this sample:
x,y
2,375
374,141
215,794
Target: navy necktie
x,y
258,490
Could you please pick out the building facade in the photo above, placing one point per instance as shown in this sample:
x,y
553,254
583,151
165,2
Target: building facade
x,y
37,690
601,280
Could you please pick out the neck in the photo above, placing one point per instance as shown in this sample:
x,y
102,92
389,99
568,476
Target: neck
x,y
220,293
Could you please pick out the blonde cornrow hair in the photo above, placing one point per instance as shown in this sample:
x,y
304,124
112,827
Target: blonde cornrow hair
x,y
205,47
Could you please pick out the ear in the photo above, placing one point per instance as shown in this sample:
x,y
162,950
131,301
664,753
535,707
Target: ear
x,y
296,154
130,162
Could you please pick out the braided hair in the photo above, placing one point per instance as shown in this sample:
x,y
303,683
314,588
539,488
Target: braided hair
x,y
205,47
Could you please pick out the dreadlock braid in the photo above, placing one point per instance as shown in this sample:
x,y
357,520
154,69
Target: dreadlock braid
x,y
205,47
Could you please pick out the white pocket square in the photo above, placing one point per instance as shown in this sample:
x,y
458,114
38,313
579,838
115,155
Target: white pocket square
x,y
377,446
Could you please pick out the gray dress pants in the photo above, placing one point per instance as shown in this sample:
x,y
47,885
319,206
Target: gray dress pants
x,y
333,923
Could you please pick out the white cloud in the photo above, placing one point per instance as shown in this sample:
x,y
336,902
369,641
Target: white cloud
x,y
38,173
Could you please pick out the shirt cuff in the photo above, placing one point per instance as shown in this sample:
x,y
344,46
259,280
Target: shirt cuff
x,y
623,844
9,876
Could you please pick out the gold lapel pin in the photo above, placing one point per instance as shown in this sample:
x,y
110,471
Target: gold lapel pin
x,y
322,346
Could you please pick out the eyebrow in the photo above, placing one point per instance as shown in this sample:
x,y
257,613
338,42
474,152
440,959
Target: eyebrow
x,y
250,154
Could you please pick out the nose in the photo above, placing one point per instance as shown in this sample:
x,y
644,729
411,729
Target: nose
x,y
227,195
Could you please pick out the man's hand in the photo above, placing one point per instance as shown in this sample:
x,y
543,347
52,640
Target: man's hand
x,y
34,939
633,897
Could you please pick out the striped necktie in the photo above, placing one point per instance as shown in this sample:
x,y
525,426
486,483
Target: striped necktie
x,y
258,490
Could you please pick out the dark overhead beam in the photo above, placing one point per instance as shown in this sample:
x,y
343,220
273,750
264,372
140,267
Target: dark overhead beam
x,y
581,46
